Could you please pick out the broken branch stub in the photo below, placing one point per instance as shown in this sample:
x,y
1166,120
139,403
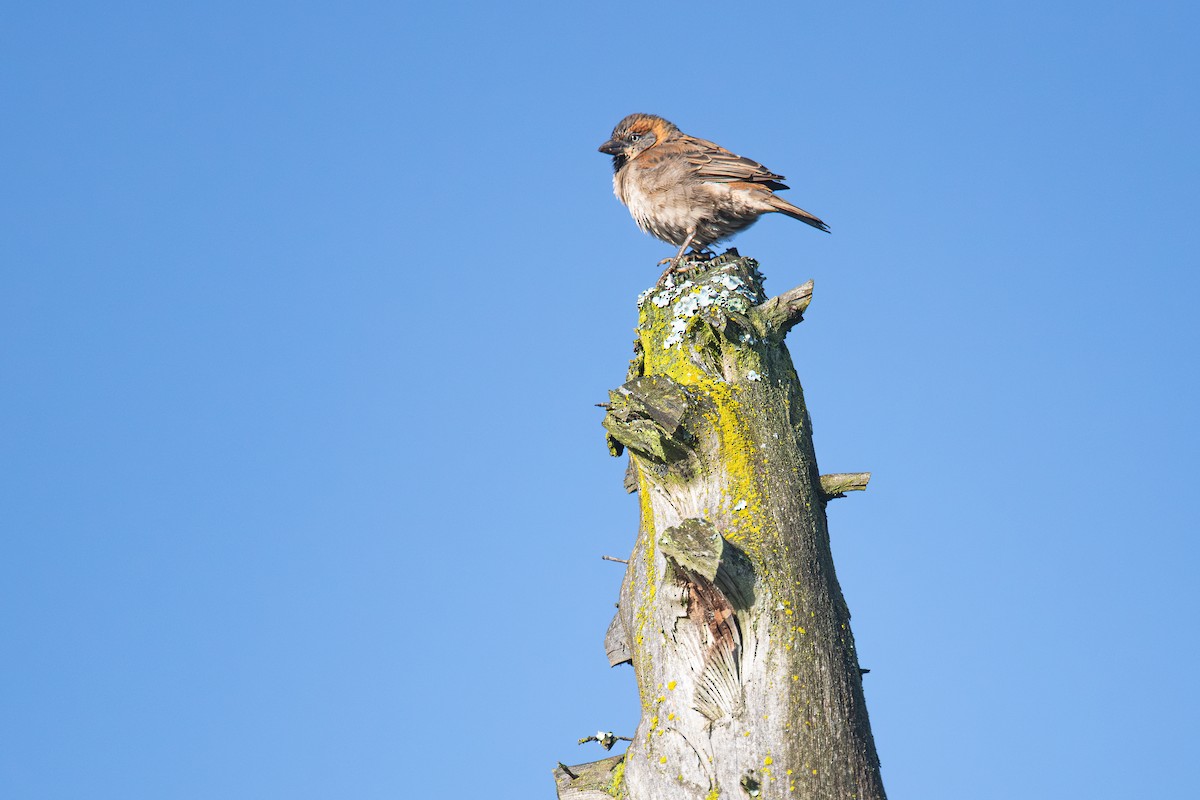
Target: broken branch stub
x,y
782,313
649,416
837,484
694,545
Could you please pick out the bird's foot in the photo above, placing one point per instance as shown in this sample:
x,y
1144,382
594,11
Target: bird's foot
x,y
678,265
667,273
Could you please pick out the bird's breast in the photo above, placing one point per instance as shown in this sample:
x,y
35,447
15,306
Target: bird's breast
x,y
658,209
640,202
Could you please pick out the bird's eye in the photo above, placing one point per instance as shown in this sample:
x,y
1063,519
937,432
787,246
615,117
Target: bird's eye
x,y
635,137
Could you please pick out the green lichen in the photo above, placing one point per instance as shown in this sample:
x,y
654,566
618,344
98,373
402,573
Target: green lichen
x,y
642,614
616,787
713,357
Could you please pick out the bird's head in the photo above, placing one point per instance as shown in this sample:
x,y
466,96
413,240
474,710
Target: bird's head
x,y
634,135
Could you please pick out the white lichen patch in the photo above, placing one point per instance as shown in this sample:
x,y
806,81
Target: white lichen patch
x,y
687,306
751,375
730,282
687,300
678,327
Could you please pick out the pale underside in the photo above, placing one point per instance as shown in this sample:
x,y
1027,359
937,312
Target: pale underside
x,y
670,207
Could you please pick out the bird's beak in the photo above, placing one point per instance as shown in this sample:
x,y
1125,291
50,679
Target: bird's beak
x,y
612,147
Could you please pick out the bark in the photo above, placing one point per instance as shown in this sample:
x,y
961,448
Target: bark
x,y
730,611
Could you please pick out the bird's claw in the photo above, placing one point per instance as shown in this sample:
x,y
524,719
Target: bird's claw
x,y
678,267
675,266
667,273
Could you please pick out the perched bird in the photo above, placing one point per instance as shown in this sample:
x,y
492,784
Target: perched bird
x,y
688,191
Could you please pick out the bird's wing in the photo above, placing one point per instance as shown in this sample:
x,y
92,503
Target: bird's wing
x,y
714,163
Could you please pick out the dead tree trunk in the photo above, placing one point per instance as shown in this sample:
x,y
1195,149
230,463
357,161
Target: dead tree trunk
x,y
730,611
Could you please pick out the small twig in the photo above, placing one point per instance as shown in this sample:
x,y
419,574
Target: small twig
x,y
567,770
606,739
612,558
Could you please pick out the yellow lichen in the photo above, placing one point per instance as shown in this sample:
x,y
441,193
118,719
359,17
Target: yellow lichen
x,y
642,614
615,786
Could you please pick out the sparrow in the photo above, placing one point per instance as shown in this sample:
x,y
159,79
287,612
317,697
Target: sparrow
x,y
689,191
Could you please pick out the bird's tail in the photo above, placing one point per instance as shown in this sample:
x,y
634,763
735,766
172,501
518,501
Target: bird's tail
x,y
783,206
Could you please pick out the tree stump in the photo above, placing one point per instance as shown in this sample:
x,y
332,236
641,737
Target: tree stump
x,y
730,611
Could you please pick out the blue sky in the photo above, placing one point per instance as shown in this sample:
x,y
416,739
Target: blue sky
x,y
304,309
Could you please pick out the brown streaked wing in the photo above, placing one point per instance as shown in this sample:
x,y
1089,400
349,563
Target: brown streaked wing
x,y
715,163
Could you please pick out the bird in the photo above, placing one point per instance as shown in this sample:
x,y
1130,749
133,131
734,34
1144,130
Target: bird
x,y
689,191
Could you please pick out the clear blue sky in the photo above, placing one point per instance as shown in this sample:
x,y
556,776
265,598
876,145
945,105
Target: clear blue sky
x,y
304,309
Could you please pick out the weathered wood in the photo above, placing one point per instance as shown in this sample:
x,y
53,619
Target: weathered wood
x,y
597,780
616,643
730,607
648,415
630,481
694,545
782,313
837,484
